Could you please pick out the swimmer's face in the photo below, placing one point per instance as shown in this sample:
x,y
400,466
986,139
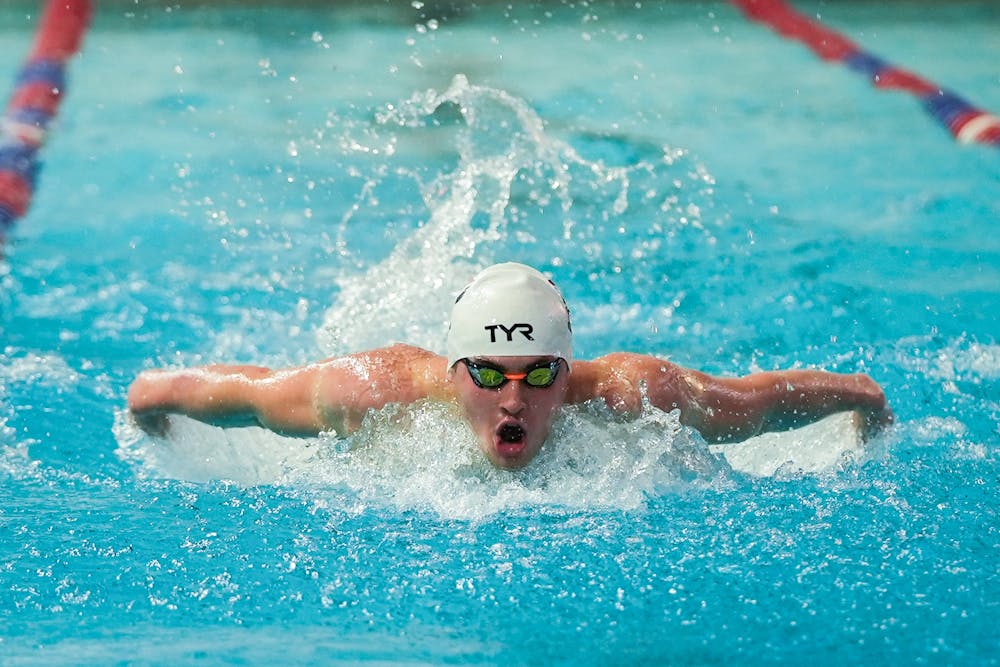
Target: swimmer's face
x,y
511,422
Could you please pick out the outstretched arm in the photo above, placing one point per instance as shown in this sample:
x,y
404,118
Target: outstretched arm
x,y
330,395
733,409
229,396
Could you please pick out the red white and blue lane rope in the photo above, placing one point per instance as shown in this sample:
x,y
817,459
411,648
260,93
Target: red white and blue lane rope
x,y
38,91
964,121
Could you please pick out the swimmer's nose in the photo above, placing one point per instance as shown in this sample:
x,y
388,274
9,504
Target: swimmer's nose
x,y
512,398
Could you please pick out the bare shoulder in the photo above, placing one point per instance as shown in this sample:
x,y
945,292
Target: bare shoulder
x,y
410,367
398,353
398,373
618,379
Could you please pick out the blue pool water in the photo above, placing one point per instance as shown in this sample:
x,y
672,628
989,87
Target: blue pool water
x,y
274,185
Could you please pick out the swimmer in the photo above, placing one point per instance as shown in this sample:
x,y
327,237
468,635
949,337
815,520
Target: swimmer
x,y
510,368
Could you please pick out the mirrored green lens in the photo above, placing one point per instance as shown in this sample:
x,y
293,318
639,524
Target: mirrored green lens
x,y
490,377
541,377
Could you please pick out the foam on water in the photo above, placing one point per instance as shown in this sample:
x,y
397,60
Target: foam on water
x,y
424,458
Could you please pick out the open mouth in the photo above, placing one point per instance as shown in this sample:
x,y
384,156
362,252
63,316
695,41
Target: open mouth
x,y
510,439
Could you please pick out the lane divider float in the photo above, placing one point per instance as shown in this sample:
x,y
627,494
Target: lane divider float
x,y
964,121
38,91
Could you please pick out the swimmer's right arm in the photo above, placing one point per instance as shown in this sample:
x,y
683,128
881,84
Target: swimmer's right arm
x,y
230,395
331,395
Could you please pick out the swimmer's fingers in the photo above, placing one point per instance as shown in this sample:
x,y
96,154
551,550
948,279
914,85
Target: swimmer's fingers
x,y
156,424
876,422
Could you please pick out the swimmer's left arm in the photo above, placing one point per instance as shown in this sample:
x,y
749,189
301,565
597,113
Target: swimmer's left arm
x,y
734,409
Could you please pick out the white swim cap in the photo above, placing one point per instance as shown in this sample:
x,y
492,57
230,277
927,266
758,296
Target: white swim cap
x,y
510,310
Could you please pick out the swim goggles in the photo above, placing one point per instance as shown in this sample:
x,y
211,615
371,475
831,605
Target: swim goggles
x,y
489,377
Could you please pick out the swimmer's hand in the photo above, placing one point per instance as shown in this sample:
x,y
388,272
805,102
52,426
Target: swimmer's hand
x,y
146,404
156,424
875,422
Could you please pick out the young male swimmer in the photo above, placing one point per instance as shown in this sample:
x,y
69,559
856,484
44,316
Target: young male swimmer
x,y
510,368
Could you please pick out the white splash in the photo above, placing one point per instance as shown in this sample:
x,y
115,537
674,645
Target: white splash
x,y
424,458
407,296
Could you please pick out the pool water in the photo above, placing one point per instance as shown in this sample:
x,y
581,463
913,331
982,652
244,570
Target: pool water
x,y
273,184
